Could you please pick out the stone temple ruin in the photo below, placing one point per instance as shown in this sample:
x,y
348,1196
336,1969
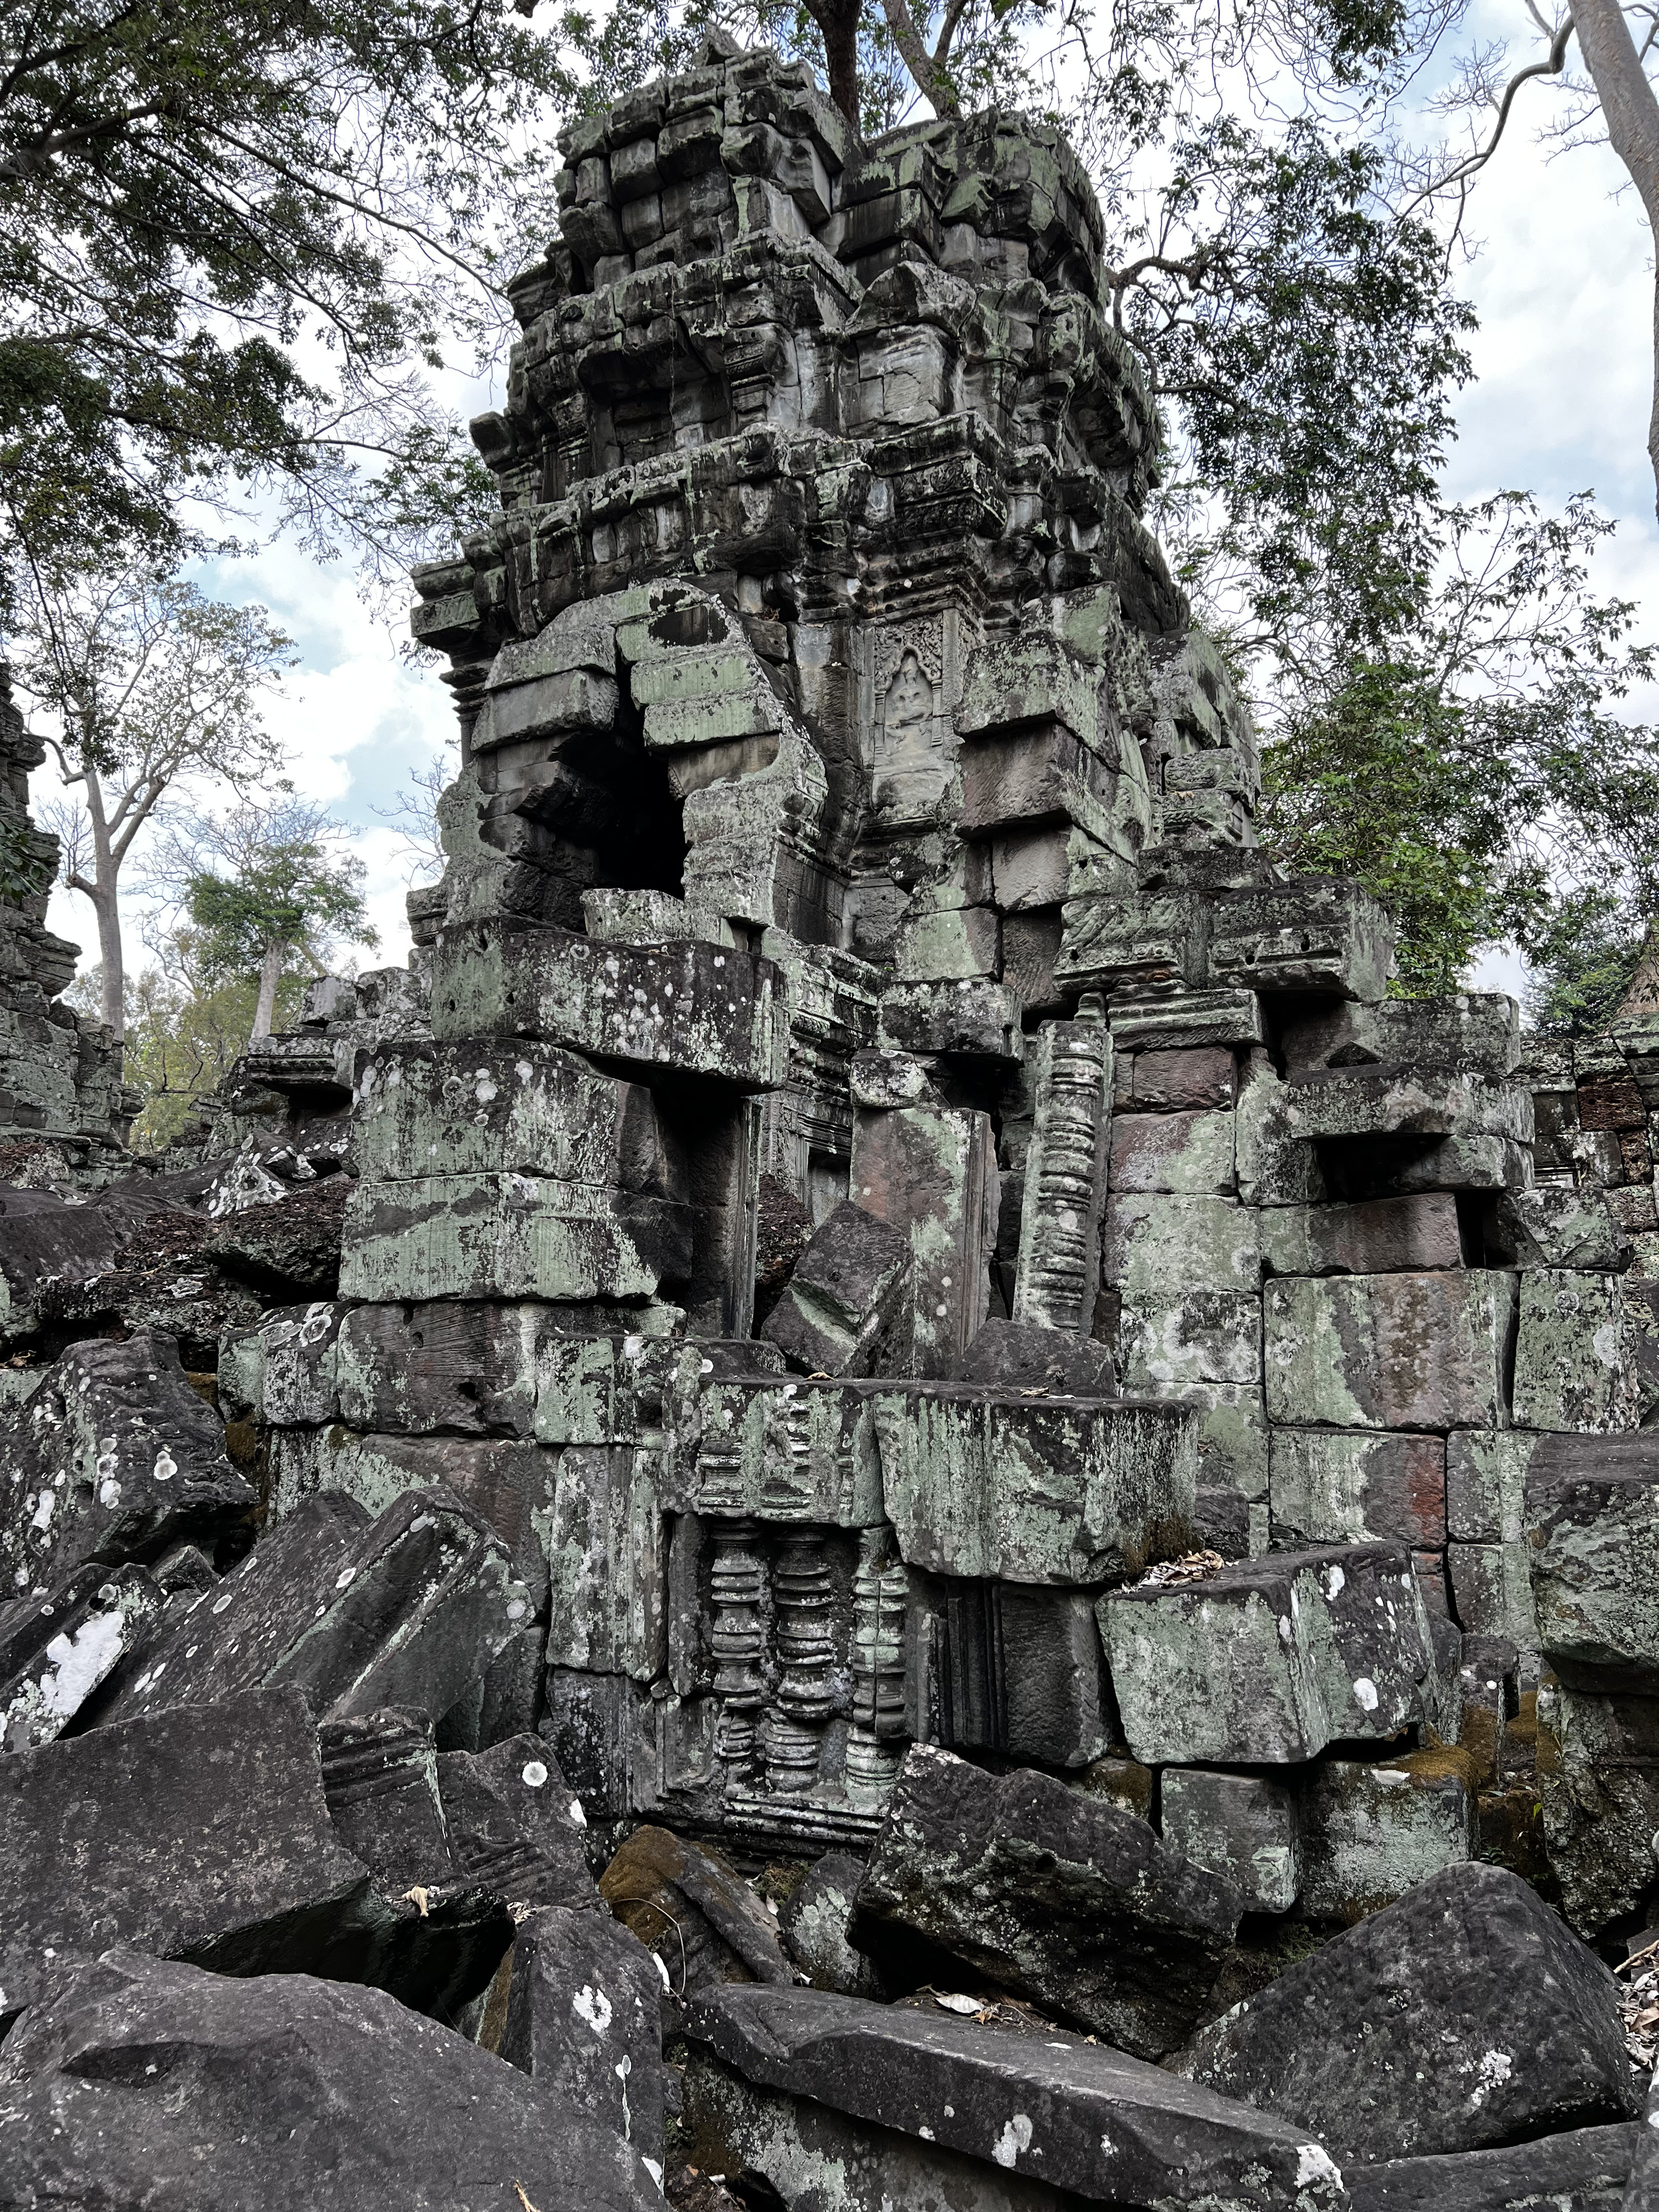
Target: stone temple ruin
x,y
1183,1489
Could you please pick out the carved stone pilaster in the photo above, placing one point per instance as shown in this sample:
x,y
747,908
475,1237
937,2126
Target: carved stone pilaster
x,y
1059,1271
803,1601
875,1743
737,1583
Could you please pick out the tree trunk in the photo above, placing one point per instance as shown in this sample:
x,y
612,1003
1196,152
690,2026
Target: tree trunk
x,y
838,20
271,974
112,993
1632,119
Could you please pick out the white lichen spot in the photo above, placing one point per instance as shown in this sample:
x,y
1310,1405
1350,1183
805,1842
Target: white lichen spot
x,y
1314,2163
577,1815
1016,2137
46,1504
594,2007
535,1774
345,1575
1335,1581
1364,1691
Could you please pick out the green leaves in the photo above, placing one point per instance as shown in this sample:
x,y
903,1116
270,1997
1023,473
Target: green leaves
x,y
1475,777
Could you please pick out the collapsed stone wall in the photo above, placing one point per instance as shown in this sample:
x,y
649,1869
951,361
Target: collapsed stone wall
x,y
61,1102
849,797
1190,1495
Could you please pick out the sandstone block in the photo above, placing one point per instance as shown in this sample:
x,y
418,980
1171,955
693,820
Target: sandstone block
x,y
1387,1352
1574,1366
1381,1236
1059,1897
1241,1827
1190,1154
1462,2016
1372,1832
845,1295
1341,1486
1271,1659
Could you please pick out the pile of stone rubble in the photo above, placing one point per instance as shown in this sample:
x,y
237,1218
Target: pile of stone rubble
x,y
1132,1676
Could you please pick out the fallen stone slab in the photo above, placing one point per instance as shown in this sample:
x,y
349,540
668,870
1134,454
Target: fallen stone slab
x,y
1460,2018
380,1779
703,1923
1598,1780
55,1650
813,1922
202,1832
1642,2190
1068,2116
847,1295
515,1825
1271,1659
584,2020
1058,1896
408,1609
1017,1356
142,2082
113,1457
1583,2171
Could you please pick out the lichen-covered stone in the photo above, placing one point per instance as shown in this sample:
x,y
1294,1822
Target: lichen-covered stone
x,y
1387,1352
1344,1485
844,1295
1463,2016
1271,1659
112,1457
1592,1511
1573,1368
1062,1899
1241,1827
1373,1830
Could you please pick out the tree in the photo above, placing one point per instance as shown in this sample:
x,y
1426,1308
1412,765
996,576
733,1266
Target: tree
x,y
228,237
1476,776
262,887
151,686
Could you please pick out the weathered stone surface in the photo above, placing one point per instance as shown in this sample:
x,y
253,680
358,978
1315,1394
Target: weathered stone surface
x,y
845,1296
1061,1897
201,1833
514,1824
1241,1827
1591,1510
1598,1777
1075,2119
932,1173
1583,2171
1463,2016
279,2089
813,1922
1384,1235
407,1610
699,1009
1547,1226
1387,1352
55,1650
1371,1830
1336,1485
113,1457
380,1779
584,2020
511,1236
1319,933
1643,2186
1187,1155
686,1905
1345,1102
1011,1355
1039,1489
1271,1659
1572,1366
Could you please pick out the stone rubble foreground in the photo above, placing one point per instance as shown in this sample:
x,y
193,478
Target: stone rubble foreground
x,y
1132,1675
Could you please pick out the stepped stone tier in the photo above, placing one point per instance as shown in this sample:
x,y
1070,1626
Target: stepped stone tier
x,y
60,1073
853,821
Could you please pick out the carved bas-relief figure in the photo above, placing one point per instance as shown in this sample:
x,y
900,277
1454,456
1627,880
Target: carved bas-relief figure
x,y
853,843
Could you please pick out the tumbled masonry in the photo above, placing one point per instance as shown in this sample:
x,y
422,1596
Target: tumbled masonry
x,y
848,797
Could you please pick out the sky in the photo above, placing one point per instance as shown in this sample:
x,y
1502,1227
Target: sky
x,y
1563,287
